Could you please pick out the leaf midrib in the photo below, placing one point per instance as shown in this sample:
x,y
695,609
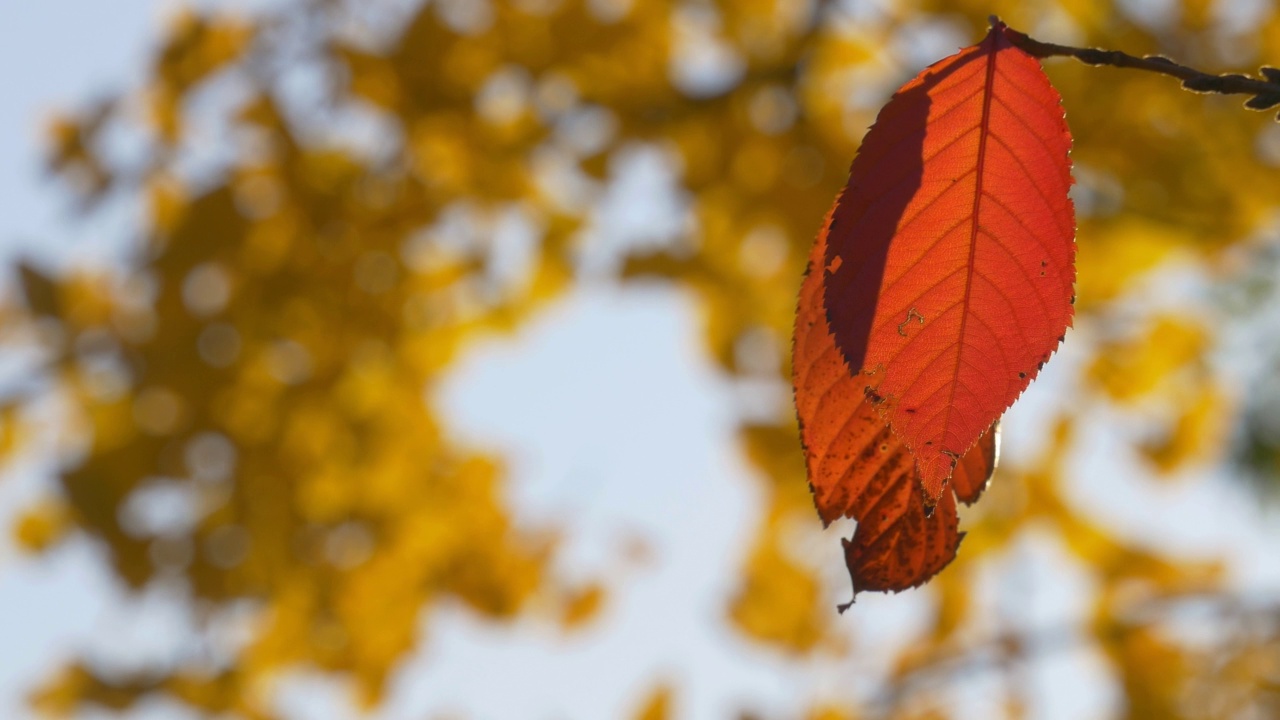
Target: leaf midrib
x,y
984,129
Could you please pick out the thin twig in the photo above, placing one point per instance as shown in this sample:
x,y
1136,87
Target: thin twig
x,y
1008,648
1265,91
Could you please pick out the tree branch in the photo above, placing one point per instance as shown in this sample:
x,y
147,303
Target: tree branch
x,y
1265,91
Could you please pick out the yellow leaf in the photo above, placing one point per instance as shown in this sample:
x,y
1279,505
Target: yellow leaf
x,y
657,706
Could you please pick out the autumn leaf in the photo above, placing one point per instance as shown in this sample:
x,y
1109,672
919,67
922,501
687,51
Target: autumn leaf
x,y
911,544
950,262
859,468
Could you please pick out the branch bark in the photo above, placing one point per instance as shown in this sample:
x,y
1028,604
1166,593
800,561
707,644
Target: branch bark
x,y
1265,91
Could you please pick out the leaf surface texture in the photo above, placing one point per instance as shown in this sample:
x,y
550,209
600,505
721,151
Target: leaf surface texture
x,y
949,262
858,468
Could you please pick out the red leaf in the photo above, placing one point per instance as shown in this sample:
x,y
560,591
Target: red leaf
x,y
975,468
950,264
858,468
916,545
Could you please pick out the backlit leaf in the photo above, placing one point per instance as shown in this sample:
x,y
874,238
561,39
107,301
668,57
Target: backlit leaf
x,y
950,265
859,468
914,544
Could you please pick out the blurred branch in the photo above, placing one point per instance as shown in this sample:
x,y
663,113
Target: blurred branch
x,y
998,651
1006,650
1265,92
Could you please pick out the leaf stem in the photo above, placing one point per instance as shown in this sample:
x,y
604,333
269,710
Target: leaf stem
x,y
1265,92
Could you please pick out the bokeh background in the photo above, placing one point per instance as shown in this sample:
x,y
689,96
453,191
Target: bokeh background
x,y
427,359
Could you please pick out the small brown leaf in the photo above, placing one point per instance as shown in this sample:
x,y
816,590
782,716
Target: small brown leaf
x,y
915,544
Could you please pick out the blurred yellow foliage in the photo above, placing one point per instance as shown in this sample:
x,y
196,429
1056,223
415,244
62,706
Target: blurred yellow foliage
x,y
583,606
779,599
272,349
1131,370
657,706
41,526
